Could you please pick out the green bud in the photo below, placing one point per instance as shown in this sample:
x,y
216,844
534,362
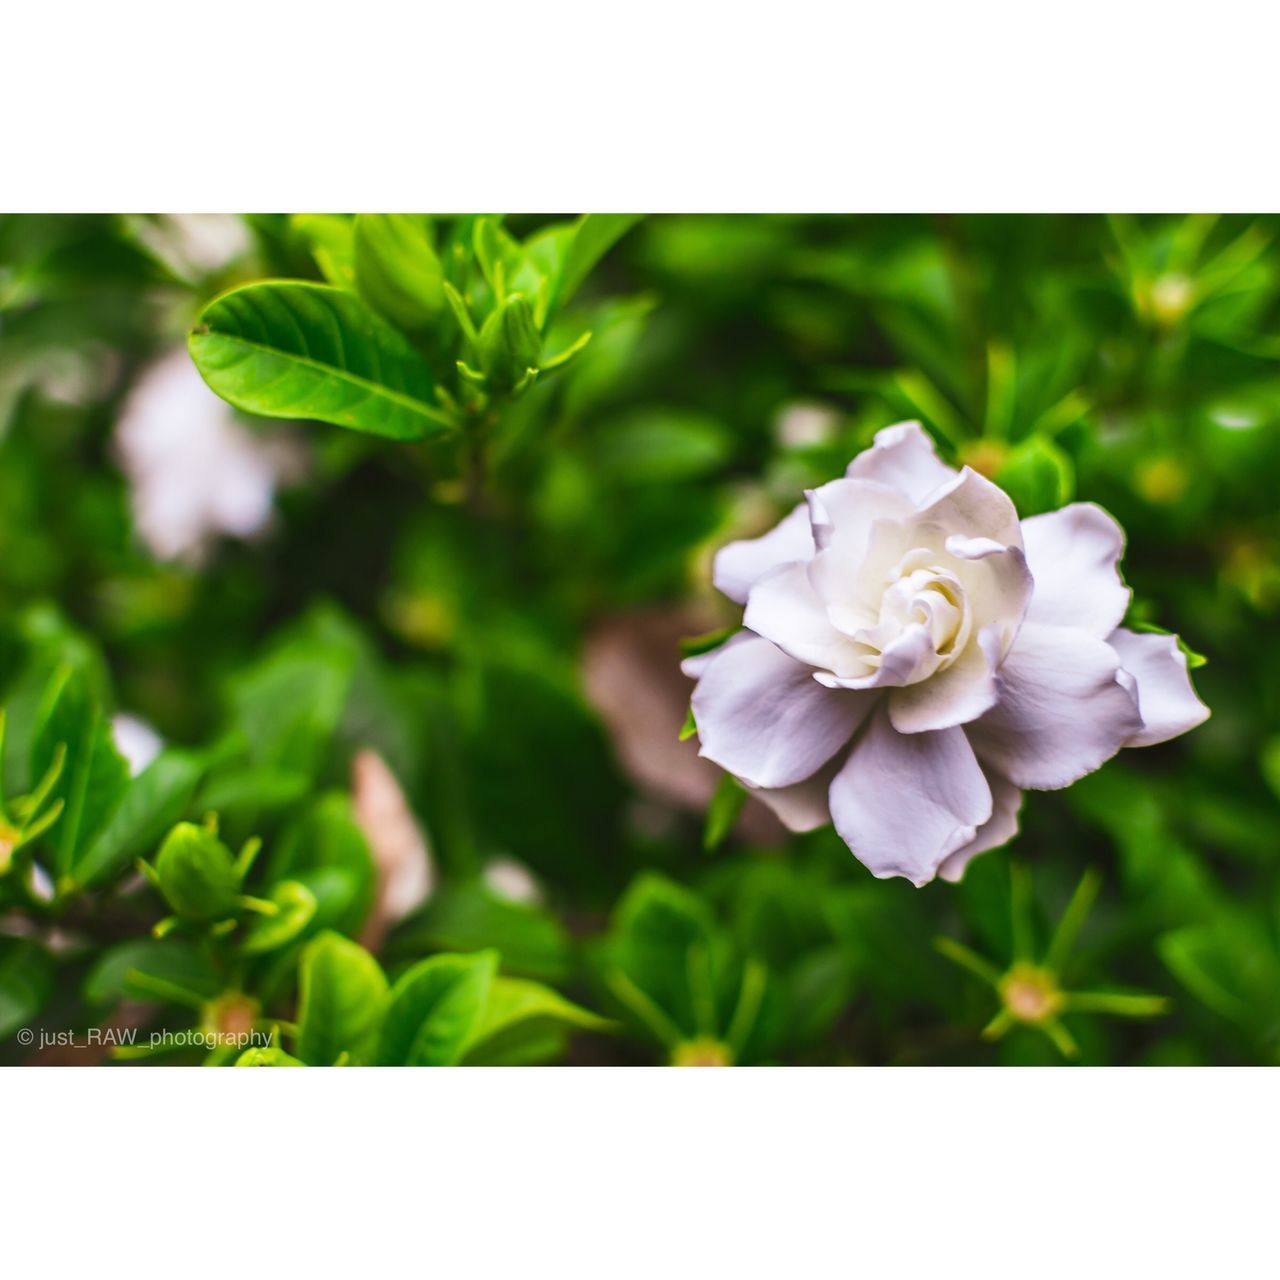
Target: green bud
x,y
510,344
197,874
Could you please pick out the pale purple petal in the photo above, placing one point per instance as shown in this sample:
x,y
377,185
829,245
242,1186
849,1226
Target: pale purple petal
x,y
955,695
904,802
969,507
764,718
1062,712
803,806
1073,555
1000,828
1166,701
738,565
903,457
784,608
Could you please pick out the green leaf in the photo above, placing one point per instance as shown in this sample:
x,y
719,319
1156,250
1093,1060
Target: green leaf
x,y
329,236
26,982
434,1009
152,803
94,777
690,726
172,960
289,349
659,928
519,1013
297,908
726,803
397,270
1038,476
342,997
595,235
467,917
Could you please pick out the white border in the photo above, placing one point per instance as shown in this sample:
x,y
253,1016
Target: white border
x,y
629,1172
565,105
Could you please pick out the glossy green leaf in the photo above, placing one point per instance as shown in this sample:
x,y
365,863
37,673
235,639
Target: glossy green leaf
x,y
330,237
174,961
434,1010
726,803
94,776
342,999
397,270
287,349
519,1013
469,916
151,804
595,235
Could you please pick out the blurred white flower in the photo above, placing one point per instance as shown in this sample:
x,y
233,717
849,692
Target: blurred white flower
x,y
136,740
512,880
195,472
915,656
398,844
192,245
805,424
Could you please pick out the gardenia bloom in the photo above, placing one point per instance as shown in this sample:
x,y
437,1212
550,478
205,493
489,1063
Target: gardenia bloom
x,y
914,656
194,471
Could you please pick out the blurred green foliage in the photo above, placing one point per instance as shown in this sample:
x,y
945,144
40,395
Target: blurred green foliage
x,y
432,596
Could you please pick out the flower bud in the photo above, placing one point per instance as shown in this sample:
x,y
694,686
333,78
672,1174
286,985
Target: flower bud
x,y
510,344
197,874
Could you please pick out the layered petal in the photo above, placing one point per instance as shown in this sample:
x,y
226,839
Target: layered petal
x,y
1062,711
805,805
740,564
763,717
957,694
969,506
904,802
1167,703
784,608
1000,828
1074,556
903,457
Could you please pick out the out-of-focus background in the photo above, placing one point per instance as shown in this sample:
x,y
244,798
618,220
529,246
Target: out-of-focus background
x,y
514,661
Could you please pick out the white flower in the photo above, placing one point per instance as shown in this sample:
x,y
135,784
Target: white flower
x,y
914,656
136,740
194,471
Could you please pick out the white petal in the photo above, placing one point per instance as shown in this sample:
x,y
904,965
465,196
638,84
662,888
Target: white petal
x,y
804,806
999,584
697,663
739,564
904,802
1166,701
762,716
955,695
1061,713
784,608
903,661
845,510
1000,828
969,506
1073,555
903,457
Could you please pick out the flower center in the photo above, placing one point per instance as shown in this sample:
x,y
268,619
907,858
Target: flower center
x,y
919,596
